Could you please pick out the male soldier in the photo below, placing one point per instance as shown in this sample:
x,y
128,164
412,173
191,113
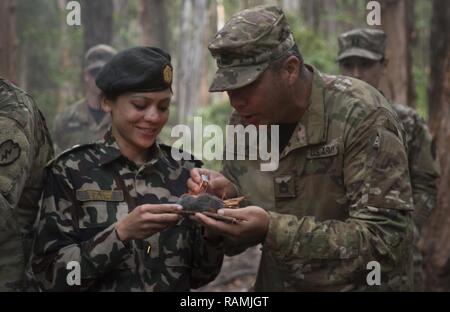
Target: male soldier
x,y
348,197
85,121
362,56
25,148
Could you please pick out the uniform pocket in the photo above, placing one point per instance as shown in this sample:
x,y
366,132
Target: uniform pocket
x,y
101,213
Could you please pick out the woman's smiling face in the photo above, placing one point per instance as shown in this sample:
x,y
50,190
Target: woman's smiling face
x,y
137,118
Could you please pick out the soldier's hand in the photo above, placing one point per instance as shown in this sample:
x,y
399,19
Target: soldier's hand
x,y
146,220
218,185
251,228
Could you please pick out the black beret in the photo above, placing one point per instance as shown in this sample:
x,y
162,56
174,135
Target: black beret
x,y
138,69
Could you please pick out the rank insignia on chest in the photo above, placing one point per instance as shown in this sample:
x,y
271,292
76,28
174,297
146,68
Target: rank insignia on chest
x,y
285,186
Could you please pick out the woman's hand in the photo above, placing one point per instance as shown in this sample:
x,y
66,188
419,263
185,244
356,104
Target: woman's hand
x,y
146,220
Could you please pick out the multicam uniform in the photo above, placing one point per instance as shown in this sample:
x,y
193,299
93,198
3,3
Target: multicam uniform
x,y
76,125
370,44
424,173
423,167
25,148
89,189
340,198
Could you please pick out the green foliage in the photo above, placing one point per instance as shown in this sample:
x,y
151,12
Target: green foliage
x,y
126,26
39,29
215,114
315,50
420,55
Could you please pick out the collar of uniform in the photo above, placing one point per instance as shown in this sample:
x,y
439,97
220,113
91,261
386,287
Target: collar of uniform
x,y
310,129
110,151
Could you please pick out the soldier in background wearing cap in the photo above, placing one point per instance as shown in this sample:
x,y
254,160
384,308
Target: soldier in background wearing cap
x,y
25,149
362,56
84,121
340,197
109,205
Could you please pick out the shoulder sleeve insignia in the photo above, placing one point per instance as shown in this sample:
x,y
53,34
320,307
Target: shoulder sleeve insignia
x,y
9,152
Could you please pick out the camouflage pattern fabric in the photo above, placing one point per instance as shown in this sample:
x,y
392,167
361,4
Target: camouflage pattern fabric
x,y
367,43
259,36
25,148
89,189
76,125
340,198
424,172
424,169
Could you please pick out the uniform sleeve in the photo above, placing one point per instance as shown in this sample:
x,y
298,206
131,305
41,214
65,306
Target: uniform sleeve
x,y
14,163
379,225
424,171
58,241
14,172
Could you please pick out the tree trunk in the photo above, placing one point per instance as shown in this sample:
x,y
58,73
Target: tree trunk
x,y
311,13
397,23
435,240
9,43
97,21
154,24
291,6
66,91
245,4
191,57
330,19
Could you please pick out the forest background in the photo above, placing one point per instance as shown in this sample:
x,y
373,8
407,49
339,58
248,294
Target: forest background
x,y
42,54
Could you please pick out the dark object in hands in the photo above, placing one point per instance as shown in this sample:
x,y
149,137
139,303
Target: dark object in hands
x,y
200,203
207,204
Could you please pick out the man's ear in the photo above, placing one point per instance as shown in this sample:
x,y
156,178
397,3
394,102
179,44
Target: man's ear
x,y
86,76
291,67
105,104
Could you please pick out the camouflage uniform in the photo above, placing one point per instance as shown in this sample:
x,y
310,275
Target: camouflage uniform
x,y
76,124
90,188
423,167
341,195
25,148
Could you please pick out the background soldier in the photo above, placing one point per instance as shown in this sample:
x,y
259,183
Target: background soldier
x,y
348,196
362,56
25,148
85,121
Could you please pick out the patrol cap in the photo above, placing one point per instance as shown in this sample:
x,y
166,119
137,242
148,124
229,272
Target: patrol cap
x,y
362,42
247,44
97,56
138,69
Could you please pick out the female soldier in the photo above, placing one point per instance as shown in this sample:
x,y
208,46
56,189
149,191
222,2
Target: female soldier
x,y
105,223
